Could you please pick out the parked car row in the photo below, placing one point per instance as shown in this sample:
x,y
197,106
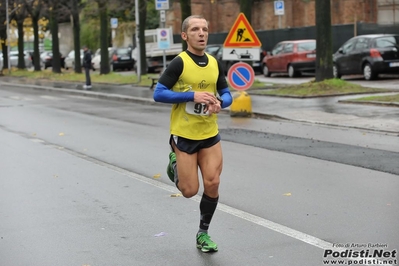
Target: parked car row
x,y
369,55
14,59
46,59
119,58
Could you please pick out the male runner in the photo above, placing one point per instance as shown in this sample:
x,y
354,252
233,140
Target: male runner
x,y
191,83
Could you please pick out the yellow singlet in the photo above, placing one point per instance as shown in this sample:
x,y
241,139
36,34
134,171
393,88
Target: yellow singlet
x,y
188,120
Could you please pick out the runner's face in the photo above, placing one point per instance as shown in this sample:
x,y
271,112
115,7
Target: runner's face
x,y
196,35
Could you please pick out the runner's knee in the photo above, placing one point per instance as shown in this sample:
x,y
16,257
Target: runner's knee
x,y
188,191
211,184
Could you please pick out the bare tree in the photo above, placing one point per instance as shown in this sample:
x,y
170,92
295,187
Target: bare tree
x,y
3,34
142,20
53,7
324,50
185,7
19,15
73,7
34,9
104,25
246,8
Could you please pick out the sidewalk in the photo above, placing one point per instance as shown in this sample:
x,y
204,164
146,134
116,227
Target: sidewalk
x,y
325,110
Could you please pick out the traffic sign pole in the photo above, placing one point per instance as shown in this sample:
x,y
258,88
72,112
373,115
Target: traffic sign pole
x,y
279,11
241,76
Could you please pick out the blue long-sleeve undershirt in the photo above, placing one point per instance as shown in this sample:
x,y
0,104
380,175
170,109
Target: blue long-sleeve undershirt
x,y
163,94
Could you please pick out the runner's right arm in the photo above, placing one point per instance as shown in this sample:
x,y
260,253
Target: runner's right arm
x,y
169,78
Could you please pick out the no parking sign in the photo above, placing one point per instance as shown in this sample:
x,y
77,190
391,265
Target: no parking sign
x,y
241,76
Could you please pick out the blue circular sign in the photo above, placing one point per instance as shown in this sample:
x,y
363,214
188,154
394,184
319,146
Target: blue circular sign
x,y
164,33
241,76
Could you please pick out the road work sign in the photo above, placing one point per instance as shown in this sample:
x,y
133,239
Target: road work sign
x,y
242,34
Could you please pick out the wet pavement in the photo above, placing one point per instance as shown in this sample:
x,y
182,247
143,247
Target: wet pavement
x,y
332,111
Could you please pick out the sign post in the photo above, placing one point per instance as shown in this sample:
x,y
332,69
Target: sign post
x,y
114,26
279,11
161,4
241,44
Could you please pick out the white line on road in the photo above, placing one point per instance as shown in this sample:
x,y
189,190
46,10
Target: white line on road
x,y
223,207
48,97
314,241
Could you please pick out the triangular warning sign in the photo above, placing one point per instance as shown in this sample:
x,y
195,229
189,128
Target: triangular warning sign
x,y
242,34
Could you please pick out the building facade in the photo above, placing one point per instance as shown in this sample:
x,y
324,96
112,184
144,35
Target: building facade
x,y
222,14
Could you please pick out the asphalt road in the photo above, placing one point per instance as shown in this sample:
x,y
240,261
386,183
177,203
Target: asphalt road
x,y
83,183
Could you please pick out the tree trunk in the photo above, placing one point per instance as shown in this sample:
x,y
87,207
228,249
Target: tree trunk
x,y
56,61
21,52
324,50
76,36
3,36
36,54
142,19
104,68
185,7
246,8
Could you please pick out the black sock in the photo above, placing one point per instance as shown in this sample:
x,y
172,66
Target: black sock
x,y
207,209
176,178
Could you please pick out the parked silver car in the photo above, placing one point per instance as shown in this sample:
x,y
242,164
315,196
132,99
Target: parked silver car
x,y
14,59
96,59
70,59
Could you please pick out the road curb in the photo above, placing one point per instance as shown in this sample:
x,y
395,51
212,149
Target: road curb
x,y
150,101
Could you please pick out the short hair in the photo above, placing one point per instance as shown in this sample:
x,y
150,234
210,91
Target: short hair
x,y
186,22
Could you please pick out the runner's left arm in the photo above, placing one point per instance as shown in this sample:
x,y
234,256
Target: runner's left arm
x,y
223,88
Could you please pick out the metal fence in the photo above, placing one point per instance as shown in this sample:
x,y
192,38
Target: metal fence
x,y
340,34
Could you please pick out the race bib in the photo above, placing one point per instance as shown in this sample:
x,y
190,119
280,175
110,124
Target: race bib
x,y
196,108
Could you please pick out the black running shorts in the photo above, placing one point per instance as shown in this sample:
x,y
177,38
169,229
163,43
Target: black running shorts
x,y
192,146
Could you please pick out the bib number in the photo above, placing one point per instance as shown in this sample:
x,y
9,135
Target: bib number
x,y
195,108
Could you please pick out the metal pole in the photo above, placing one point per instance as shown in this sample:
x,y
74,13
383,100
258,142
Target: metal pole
x,y
138,63
8,39
164,51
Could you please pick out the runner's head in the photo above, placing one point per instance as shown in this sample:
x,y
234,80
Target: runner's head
x,y
195,33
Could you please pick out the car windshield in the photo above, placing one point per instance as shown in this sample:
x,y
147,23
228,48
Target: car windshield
x,y
306,46
388,41
123,51
212,49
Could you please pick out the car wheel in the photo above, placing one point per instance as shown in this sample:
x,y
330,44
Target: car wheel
x,y
336,73
292,72
266,71
369,73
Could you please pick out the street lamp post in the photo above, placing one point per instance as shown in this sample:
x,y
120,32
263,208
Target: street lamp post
x,y
138,62
8,39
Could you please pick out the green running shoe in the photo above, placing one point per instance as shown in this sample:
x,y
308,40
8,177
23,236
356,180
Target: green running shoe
x,y
169,169
205,243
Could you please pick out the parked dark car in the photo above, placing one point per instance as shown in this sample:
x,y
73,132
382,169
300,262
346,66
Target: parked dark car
x,y
217,51
369,55
292,57
122,59
46,59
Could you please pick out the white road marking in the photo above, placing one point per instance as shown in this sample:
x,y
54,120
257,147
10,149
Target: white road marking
x,y
37,140
308,239
82,97
52,98
18,98
223,207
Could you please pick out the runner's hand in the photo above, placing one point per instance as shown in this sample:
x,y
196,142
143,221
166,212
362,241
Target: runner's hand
x,y
213,108
205,98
